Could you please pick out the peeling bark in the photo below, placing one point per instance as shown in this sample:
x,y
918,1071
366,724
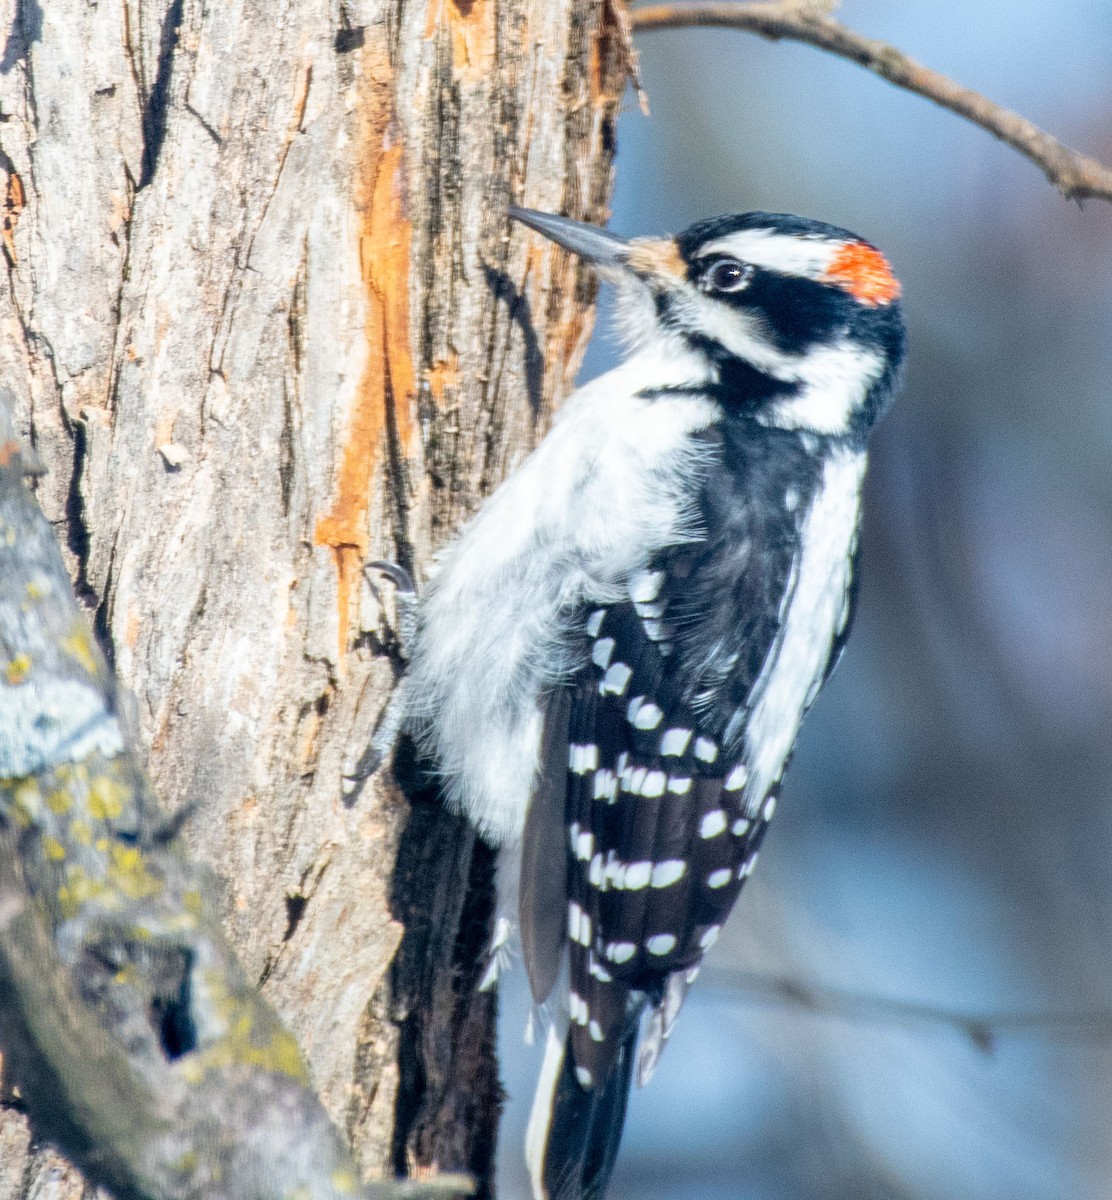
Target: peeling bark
x,y
265,318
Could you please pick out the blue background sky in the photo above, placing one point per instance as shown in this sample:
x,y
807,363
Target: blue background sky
x,y
945,833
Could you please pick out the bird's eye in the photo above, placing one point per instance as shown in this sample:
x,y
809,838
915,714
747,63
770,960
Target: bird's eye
x,y
727,275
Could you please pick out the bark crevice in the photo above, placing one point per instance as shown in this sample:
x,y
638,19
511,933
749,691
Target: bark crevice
x,y
156,110
251,362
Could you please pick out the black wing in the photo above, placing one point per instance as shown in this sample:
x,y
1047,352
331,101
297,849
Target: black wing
x,y
658,836
661,830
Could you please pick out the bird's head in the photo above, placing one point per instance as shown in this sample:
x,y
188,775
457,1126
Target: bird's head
x,y
793,322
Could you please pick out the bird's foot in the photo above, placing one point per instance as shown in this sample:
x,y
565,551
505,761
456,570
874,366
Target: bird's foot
x,y
392,718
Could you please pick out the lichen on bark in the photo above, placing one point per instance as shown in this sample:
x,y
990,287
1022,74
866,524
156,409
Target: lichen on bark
x,y
265,316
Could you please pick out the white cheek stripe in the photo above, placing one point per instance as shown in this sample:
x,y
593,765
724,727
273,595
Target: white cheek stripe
x,y
832,381
834,387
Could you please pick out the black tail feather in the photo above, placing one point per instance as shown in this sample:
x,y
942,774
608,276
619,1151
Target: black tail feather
x,y
586,1126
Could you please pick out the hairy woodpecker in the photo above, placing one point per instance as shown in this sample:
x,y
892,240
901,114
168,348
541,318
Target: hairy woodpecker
x,y
611,663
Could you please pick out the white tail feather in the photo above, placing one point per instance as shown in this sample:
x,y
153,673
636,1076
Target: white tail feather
x,y
540,1119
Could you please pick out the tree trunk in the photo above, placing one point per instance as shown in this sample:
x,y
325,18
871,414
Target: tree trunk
x,y
266,319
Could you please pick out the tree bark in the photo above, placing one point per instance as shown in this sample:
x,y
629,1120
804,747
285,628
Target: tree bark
x,y
266,319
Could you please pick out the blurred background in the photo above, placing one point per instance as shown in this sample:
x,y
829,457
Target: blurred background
x,y
945,833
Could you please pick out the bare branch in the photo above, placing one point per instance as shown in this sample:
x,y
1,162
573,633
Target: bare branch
x,y
984,1030
1075,175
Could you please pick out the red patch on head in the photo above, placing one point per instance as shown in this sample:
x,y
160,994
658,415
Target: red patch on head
x,y
864,273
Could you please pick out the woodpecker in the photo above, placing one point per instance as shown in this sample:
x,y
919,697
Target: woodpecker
x,y
611,663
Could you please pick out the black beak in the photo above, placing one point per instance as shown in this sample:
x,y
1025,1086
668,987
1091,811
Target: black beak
x,y
596,246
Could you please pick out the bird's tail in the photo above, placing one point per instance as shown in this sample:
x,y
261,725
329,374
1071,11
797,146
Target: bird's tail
x,y
573,1134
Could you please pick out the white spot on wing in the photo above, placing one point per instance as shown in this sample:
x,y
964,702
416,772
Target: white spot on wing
x,y
670,871
606,785
582,759
616,679
597,970
674,742
600,654
620,952
705,749
661,943
637,875
579,925
654,629
654,784
648,716
712,824
736,778
644,587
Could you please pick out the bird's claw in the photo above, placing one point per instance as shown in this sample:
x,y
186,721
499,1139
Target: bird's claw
x,y
392,718
405,599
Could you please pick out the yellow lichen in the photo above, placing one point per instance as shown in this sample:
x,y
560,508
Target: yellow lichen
x,y
53,849
252,1037
67,774
26,802
106,798
18,669
278,1053
192,1069
128,873
81,833
80,887
80,648
58,801
343,1181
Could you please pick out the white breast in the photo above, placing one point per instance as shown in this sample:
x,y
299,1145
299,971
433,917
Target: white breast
x,y
613,482
814,612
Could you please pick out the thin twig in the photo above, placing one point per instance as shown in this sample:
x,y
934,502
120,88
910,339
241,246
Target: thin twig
x,y
984,1030
1075,175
